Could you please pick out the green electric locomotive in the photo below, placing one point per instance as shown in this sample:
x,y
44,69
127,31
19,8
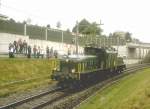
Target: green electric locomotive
x,y
96,64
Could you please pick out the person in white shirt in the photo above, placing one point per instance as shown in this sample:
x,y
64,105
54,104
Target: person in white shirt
x,y
42,52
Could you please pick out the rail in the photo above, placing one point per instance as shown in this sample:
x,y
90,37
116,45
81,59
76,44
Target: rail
x,y
14,104
62,98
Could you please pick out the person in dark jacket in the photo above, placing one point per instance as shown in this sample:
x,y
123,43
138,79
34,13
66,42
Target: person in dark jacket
x,y
11,50
55,54
15,46
25,47
47,52
29,52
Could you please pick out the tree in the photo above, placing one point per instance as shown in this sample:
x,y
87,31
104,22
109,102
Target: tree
x,y
24,22
110,35
128,37
81,26
68,30
58,25
85,27
12,20
48,26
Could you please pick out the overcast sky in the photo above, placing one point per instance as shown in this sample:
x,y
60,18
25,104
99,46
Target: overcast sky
x,y
122,15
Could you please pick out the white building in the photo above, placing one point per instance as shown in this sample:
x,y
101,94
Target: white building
x,y
133,53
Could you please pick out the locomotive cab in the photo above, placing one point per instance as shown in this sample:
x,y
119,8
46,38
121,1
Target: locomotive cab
x,y
72,68
66,71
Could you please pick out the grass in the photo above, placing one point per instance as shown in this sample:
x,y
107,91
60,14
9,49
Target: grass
x,y
131,92
12,70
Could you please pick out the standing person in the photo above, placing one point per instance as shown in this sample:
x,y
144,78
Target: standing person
x,y
11,51
55,54
42,52
15,46
38,52
47,52
69,52
25,47
34,51
29,52
51,52
20,45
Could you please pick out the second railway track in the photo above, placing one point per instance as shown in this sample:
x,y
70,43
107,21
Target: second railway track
x,y
26,100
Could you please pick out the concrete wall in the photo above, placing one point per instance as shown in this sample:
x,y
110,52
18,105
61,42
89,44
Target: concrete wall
x,y
6,38
56,46
126,51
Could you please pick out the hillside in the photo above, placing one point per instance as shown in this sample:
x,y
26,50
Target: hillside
x,y
22,74
35,31
131,92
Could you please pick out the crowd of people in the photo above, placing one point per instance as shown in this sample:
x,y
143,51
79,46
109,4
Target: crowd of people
x,y
19,47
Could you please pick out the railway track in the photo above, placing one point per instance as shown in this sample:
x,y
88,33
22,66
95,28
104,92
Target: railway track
x,y
59,98
73,101
28,99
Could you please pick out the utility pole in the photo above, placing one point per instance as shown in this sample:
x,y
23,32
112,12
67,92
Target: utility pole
x,y
100,41
100,25
117,44
76,39
100,31
62,36
25,29
46,33
104,42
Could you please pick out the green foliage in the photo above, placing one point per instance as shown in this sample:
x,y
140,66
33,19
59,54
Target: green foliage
x,y
58,25
81,26
34,31
11,26
48,26
120,37
85,27
128,37
68,30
